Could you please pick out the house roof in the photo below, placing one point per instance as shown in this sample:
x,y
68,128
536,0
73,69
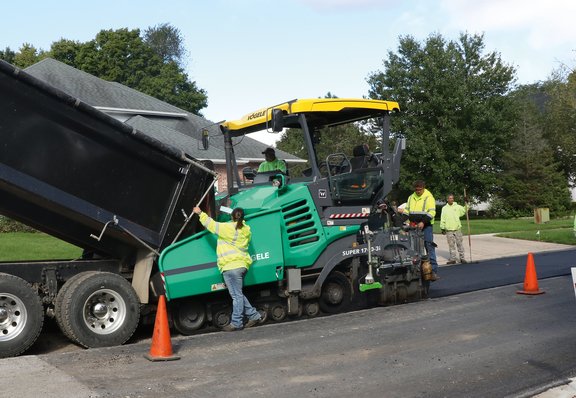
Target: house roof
x,y
156,118
175,138
93,90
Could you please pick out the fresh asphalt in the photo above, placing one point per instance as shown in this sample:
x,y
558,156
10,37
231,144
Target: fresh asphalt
x,y
484,343
495,261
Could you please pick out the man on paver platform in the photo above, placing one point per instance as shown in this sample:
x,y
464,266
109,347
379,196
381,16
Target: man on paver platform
x,y
452,227
272,163
422,203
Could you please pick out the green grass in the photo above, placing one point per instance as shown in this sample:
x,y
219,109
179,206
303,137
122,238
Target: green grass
x,y
561,235
486,226
23,246
554,231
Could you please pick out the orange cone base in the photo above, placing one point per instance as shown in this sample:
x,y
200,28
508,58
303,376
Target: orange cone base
x,y
158,359
532,293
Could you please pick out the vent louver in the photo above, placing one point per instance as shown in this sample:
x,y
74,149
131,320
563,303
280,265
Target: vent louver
x,y
299,224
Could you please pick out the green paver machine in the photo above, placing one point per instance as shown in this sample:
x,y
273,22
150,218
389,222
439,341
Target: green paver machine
x,y
322,236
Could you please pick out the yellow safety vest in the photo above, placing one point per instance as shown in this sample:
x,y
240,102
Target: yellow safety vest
x,y
423,204
232,247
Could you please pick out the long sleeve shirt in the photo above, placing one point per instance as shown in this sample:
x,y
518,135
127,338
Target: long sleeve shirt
x,y
424,204
450,217
232,246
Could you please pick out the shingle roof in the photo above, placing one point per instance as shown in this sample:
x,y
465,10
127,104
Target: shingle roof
x,y
172,137
101,93
244,147
93,90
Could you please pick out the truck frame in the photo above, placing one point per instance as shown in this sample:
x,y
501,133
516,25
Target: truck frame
x,y
82,176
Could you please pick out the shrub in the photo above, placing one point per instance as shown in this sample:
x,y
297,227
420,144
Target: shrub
x,y
9,225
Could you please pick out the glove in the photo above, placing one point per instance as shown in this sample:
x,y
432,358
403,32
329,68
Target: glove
x,y
443,232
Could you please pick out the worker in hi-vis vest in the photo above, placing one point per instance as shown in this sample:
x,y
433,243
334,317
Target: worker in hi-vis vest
x,y
423,204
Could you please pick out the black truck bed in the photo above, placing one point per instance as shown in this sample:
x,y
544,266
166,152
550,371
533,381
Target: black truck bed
x,y
67,169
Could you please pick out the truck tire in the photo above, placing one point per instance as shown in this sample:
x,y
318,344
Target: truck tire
x,y
336,293
58,307
21,315
99,309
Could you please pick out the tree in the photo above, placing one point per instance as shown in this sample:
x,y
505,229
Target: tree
x,y
27,55
559,118
7,55
124,57
65,51
455,112
167,42
531,177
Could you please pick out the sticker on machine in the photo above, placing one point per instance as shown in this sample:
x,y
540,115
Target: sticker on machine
x,y
217,286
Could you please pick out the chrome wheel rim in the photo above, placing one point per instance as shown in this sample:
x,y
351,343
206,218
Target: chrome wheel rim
x,y
13,316
104,311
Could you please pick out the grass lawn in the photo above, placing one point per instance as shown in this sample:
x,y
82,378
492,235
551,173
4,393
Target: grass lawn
x,y
560,235
486,226
554,231
22,246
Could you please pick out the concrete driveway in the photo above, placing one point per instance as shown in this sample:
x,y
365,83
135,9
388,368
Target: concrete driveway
x,y
489,246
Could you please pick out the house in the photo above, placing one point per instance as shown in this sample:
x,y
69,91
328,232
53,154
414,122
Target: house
x,y
158,119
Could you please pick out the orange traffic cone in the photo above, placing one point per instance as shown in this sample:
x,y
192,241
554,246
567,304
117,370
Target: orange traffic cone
x,y
530,280
161,348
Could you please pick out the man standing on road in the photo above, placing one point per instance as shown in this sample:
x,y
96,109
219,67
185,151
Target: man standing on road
x,y
422,203
452,227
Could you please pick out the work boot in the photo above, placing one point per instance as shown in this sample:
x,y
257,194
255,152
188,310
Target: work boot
x,y
230,328
462,261
252,322
450,262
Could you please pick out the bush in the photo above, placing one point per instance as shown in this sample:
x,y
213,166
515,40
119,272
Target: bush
x,y
500,209
9,225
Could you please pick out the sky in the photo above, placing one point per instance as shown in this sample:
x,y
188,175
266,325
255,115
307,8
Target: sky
x,y
252,54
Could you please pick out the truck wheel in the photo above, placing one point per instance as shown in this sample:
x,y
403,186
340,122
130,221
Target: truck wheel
x,y
189,316
336,293
59,308
100,309
21,315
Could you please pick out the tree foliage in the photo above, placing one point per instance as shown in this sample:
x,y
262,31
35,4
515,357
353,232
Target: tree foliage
x,y
7,55
531,177
560,120
27,55
167,42
125,57
455,112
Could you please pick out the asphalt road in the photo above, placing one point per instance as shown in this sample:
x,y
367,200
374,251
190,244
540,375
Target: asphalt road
x,y
486,343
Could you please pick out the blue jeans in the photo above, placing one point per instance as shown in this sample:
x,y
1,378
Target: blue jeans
x,y
234,279
430,248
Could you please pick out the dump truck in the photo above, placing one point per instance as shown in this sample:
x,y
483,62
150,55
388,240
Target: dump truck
x,y
82,176
323,237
